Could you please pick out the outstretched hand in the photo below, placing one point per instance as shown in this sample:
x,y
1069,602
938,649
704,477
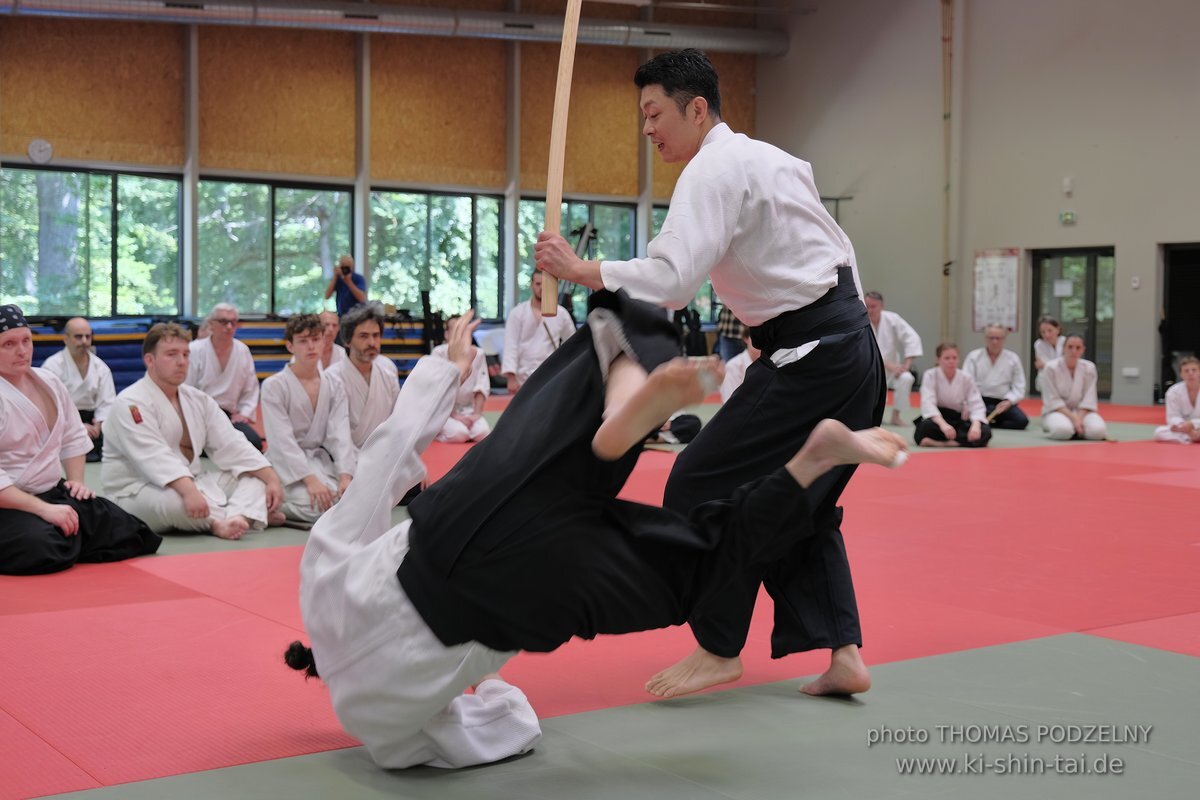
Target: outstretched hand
x,y
460,348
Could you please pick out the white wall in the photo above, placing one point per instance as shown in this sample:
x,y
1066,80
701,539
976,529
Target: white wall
x,y
1104,92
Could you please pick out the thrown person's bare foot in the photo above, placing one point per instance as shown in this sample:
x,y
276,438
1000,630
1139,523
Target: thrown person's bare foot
x,y
671,386
832,444
231,528
699,670
847,674
275,518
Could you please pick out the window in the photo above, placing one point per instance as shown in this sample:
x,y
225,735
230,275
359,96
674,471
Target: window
x,y
446,244
614,239
269,248
88,242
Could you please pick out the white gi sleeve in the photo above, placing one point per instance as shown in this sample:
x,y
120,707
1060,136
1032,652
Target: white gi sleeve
x,y
929,403
106,392
1017,393
1090,401
976,410
493,723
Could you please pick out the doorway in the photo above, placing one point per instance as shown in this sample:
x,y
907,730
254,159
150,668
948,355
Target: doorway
x,y
1076,288
1180,327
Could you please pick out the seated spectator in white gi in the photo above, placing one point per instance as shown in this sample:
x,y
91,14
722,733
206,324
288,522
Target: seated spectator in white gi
x,y
899,344
952,411
1069,400
1001,379
530,338
307,423
223,368
1048,347
466,422
88,379
404,619
1183,406
371,382
159,427
735,368
47,523
332,353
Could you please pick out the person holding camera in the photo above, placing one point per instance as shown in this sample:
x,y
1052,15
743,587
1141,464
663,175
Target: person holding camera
x,y
351,287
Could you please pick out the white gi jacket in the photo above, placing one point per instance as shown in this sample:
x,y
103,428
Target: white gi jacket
x,y
960,394
1062,390
1180,407
31,452
236,387
896,338
369,403
92,392
749,215
306,440
393,685
1003,379
530,338
141,439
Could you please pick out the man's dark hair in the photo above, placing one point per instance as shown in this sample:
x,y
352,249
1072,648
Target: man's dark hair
x,y
367,312
873,296
684,75
301,324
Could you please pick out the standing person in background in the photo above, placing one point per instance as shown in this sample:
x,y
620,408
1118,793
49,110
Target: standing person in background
x,y
530,338
87,378
351,288
899,344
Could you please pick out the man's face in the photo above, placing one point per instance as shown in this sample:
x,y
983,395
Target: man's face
x,y
364,344
16,352
1073,350
307,346
222,324
77,336
675,134
995,339
168,363
535,287
874,310
329,321
345,265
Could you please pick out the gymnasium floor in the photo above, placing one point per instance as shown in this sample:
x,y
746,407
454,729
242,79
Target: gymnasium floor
x,y
1025,609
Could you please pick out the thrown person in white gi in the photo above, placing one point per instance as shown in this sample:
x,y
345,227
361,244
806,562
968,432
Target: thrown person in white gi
x,y
223,368
88,379
899,344
156,433
308,425
396,676
1000,377
1069,399
47,523
466,422
1183,406
530,338
371,382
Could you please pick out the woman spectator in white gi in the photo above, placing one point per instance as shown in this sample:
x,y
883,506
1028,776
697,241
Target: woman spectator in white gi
x,y
1069,395
952,410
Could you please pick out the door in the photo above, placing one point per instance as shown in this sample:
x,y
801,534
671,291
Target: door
x,y
1076,288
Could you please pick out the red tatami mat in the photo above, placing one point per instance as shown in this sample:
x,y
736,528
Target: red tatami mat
x,y
85,586
141,691
30,767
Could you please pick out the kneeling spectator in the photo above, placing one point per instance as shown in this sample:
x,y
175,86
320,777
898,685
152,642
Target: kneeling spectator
x,y
1183,406
952,411
47,523
1069,395
466,422
307,424
1001,379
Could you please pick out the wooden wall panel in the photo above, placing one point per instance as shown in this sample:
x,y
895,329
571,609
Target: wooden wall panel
x,y
85,88
437,117
604,125
277,100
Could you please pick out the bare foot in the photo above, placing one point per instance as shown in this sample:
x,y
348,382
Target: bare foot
x,y
231,528
671,386
847,674
831,444
275,518
896,418
699,670
928,442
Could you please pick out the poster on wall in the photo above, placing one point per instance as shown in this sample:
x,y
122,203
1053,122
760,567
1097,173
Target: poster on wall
x,y
997,288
